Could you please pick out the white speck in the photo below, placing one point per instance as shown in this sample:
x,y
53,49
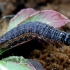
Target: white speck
x,y
2,67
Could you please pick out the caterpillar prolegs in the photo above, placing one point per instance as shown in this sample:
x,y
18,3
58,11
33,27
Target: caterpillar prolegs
x,y
29,30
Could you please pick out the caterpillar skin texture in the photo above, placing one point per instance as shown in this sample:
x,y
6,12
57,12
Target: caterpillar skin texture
x,y
29,30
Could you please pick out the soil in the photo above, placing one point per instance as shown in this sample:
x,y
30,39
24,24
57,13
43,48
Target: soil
x,y
53,56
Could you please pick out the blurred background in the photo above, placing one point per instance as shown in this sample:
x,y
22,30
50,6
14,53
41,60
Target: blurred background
x,y
13,6
50,56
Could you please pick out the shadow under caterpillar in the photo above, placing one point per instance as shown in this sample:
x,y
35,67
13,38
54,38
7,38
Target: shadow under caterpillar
x,y
29,30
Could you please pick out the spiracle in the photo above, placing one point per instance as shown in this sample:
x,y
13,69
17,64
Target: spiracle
x,y
29,30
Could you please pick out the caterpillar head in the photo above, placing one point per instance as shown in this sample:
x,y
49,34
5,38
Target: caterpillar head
x,y
67,39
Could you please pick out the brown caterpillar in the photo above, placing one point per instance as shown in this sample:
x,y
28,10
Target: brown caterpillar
x,y
29,30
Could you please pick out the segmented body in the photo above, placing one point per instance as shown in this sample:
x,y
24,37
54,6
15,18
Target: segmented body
x,y
29,30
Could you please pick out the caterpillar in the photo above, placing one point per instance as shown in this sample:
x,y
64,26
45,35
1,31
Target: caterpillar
x,y
29,30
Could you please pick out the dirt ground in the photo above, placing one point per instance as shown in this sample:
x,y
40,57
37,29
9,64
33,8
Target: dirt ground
x,y
52,56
